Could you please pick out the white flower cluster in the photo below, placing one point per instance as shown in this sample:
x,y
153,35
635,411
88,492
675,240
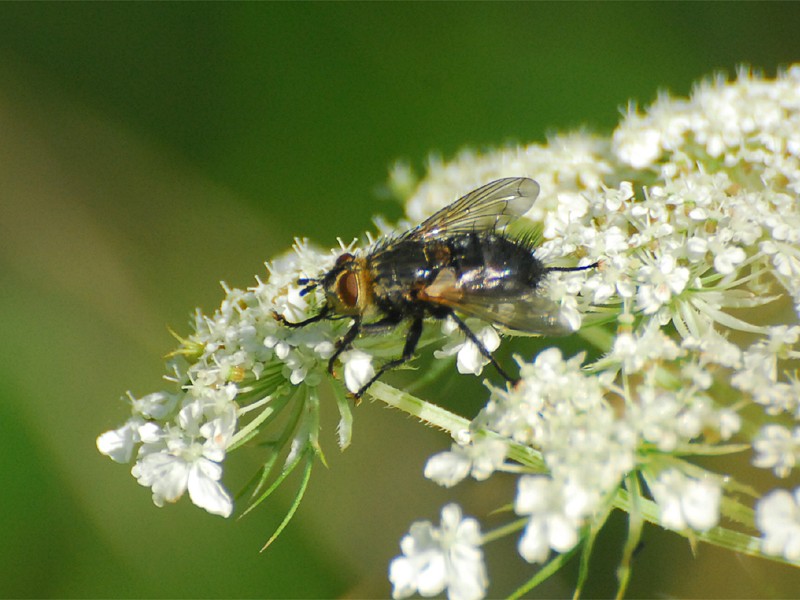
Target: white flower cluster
x,y
746,139
590,431
238,360
438,559
778,517
693,210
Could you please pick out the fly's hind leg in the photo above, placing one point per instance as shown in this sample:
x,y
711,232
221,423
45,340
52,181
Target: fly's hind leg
x,y
412,339
483,350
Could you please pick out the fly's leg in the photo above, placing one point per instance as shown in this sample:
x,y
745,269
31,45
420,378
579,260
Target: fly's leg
x,y
341,345
488,355
412,339
347,339
344,342
570,269
295,324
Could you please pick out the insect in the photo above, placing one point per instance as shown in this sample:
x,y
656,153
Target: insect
x,y
457,263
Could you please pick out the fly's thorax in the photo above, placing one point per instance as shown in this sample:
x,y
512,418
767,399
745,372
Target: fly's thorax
x,y
348,286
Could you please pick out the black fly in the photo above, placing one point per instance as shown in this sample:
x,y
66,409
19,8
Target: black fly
x,y
457,262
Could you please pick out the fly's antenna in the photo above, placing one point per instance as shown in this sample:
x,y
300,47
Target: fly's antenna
x,y
309,283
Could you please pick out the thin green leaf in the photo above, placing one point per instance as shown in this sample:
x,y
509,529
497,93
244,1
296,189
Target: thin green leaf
x,y
312,422
694,449
345,427
543,574
635,528
597,335
265,417
738,512
287,469
590,537
503,530
258,480
277,445
724,318
297,499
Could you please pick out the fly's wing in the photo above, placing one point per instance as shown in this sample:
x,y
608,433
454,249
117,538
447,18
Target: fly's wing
x,y
527,313
491,206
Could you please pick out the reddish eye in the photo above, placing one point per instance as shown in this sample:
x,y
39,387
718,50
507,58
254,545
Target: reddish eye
x,y
347,289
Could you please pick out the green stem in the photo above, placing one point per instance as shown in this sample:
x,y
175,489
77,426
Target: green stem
x,y
430,414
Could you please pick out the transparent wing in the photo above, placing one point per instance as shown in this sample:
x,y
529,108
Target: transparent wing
x,y
529,314
491,206
524,313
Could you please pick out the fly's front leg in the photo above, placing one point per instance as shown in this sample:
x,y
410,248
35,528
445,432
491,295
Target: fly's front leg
x,y
483,350
295,324
345,342
412,339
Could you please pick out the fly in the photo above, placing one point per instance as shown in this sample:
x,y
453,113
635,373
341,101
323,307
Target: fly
x,y
457,263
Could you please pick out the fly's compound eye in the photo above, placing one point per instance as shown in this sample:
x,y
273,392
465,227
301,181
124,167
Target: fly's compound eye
x,y
347,289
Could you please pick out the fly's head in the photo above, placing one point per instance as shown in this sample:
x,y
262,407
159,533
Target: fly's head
x,y
342,285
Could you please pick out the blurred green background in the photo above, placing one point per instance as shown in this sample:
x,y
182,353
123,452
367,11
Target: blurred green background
x,y
148,151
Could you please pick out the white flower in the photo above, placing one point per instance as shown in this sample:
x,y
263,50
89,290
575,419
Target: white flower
x,y
296,307
565,221
185,465
358,369
759,372
726,259
437,559
470,359
157,405
187,457
778,518
686,502
118,444
480,458
549,527
449,468
714,349
634,351
659,282
516,413
613,279
639,148
562,410
777,448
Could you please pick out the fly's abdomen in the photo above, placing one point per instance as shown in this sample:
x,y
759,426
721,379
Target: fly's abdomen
x,y
495,262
